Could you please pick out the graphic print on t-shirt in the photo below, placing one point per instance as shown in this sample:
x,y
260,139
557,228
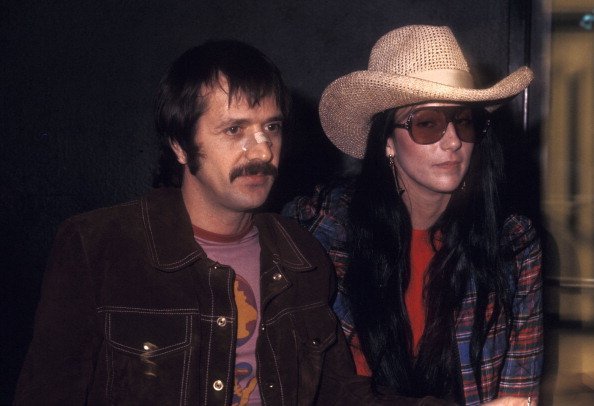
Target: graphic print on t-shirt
x,y
245,373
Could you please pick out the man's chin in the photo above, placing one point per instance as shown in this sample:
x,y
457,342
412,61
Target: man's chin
x,y
251,205
254,194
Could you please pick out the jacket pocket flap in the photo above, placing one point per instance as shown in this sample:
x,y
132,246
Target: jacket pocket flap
x,y
150,333
316,327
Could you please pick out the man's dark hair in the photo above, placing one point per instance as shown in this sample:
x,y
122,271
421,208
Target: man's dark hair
x,y
180,99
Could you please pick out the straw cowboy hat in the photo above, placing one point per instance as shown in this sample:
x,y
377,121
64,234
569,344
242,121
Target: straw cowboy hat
x,y
409,65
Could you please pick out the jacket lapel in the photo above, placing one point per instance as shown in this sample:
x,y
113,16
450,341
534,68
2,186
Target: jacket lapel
x,y
169,236
279,254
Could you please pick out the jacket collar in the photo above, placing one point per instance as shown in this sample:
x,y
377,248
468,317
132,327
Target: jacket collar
x,y
170,238
276,239
168,230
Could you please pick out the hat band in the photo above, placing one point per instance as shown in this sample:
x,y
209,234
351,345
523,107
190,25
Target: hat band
x,y
448,77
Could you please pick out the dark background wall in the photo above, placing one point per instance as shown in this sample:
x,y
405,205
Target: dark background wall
x,y
77,81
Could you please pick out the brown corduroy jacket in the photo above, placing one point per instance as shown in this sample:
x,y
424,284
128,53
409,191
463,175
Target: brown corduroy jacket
x,y
131,313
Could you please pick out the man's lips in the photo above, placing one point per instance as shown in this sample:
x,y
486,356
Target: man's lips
x,y
256,179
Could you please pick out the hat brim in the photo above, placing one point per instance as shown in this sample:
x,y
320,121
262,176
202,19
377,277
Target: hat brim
x,y
348,103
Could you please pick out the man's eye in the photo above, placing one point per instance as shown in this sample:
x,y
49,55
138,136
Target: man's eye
x,y
274,127
233,130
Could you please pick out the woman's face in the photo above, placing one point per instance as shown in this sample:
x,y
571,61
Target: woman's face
x,y
426,170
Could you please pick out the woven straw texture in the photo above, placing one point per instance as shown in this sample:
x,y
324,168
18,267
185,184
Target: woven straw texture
x,y
408,65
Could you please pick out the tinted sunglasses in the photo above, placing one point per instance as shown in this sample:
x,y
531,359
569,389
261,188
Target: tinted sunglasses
x,y
427,125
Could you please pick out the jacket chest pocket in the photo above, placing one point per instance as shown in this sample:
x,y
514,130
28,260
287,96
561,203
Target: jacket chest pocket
x,y
148,355
315,328
315,333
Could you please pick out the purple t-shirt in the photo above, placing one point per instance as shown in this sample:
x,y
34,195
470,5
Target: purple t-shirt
x,y
242,253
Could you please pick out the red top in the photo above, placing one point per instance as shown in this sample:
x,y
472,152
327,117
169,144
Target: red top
x,y
421,253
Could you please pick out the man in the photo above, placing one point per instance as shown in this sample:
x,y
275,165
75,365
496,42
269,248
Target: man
x,y
186,296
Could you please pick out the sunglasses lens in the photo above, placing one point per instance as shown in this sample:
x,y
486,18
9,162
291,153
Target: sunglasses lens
x,y
470,123
429,125
464,124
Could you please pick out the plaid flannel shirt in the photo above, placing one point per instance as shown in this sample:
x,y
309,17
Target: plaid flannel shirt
x,y
512,360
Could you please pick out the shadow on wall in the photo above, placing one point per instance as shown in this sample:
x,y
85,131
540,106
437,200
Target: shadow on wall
x,y
308,157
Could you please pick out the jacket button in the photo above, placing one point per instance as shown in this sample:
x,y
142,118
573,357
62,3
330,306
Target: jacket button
x,y
148,346
270,386
218,385
315,341
222,321
277,276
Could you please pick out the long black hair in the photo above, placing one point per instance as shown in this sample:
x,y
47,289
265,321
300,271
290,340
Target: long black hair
x,y
469,252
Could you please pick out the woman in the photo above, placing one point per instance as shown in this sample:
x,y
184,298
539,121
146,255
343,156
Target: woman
x,y
440,291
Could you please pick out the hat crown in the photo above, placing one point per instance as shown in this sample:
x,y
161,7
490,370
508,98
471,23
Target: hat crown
x,y
415,49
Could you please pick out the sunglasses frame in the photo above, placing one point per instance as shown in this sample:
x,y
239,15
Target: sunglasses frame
x,y
407,125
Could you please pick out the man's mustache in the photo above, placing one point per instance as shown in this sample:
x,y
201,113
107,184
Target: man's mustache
x,y
254,168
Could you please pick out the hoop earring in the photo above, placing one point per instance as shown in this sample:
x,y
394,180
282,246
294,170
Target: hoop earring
x,y
463,186
391,160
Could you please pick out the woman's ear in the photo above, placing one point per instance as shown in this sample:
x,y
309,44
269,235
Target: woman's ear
x,y
390,148
179,152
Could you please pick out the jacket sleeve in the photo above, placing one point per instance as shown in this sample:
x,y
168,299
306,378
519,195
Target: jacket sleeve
x,y
59,364
523,365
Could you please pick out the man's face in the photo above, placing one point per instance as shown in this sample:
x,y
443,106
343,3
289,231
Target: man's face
x,y
239,152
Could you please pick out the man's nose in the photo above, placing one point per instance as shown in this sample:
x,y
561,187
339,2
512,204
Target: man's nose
x,y
260,148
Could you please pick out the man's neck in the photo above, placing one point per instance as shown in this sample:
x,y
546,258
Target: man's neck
x,y
215,220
